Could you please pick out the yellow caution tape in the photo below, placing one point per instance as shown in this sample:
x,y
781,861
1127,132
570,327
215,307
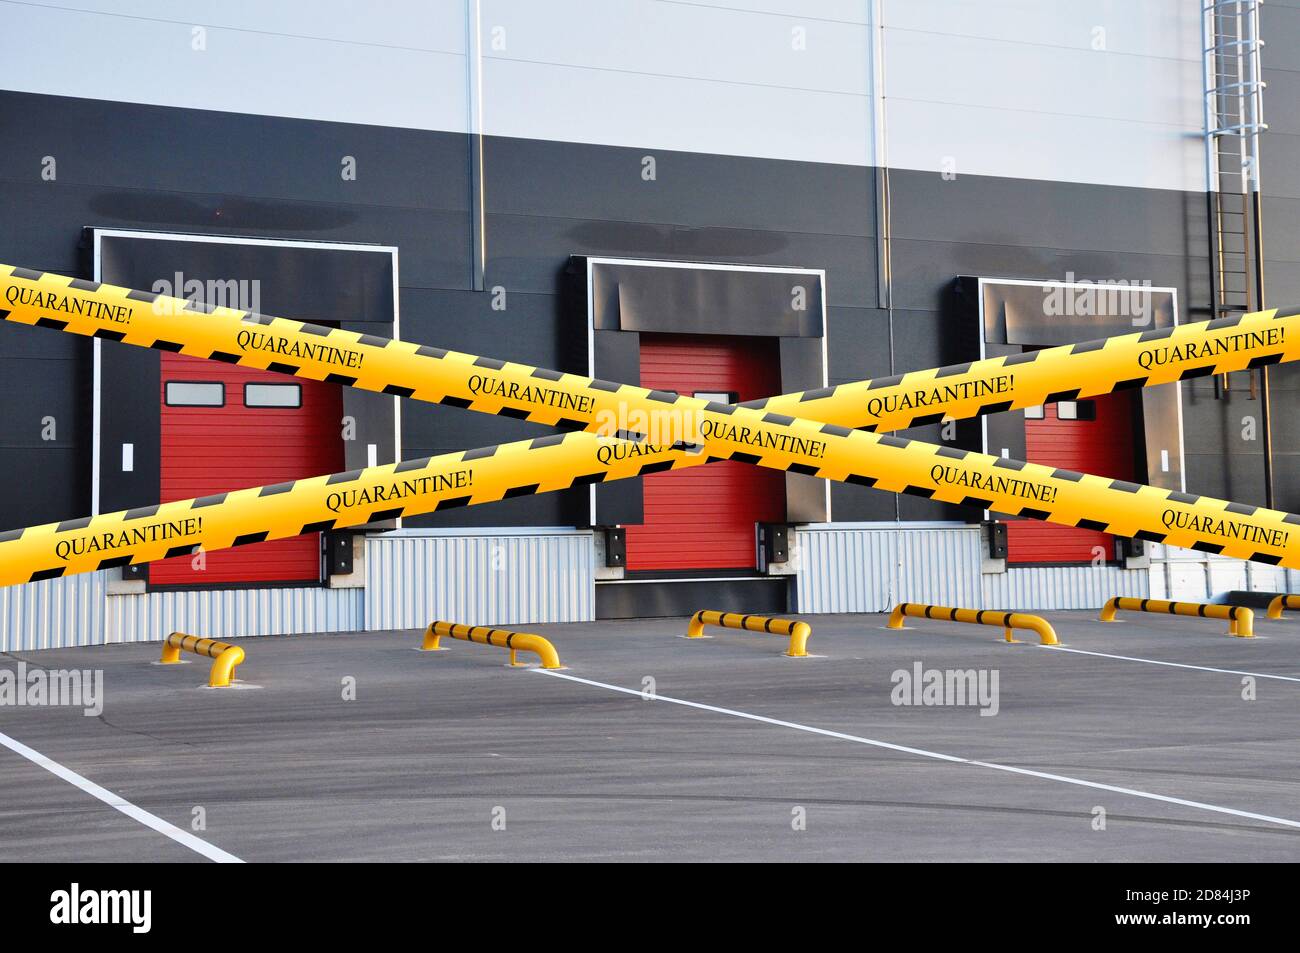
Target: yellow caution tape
x,y
563,461
754,435
241,517
572,401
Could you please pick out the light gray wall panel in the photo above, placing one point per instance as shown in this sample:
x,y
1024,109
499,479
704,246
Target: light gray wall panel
x,y
1188,576
720,44
504,578
232,613
1016,88
1026,588
395,64
674,113
1051,147
1151,28
1009,74
842,11
856,568
1009,88
53,614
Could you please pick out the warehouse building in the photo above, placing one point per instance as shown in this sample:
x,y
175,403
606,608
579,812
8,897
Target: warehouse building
x,y
729,200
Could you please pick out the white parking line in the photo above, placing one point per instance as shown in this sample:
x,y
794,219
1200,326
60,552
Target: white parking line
x,y
922,752
1152,661
185,838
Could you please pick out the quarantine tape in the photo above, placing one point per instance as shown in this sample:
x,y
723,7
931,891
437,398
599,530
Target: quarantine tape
x,y
753,435
564,461
574,402
316,504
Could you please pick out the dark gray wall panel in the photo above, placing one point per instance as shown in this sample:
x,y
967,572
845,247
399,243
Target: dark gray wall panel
x,y
923,270
20,341
639,600
198,151
983,210
43,485
528,177
527,253
531,328
859,504
435,243
148,167
565,508
857,344
32,390
1282,231
924,339
1220,462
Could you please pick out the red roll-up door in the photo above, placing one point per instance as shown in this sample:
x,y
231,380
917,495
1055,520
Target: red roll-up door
x,y
703,518
1102,446
226,428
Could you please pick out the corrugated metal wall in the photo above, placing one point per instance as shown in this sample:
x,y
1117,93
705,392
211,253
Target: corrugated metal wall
x,y
233,613
531,577
506,578
1061,587
865,568
1190,576
847,568
56,613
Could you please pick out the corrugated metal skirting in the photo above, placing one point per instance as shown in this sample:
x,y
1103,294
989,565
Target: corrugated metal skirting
x,y
233,613
63,613
500,579
869,569
1062,587
850,568
53,614
1191,576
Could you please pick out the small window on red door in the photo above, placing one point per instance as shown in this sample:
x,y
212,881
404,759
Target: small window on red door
x,y
279,396
194,394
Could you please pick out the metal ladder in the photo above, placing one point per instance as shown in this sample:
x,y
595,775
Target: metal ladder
x,y
1234,118
1233,121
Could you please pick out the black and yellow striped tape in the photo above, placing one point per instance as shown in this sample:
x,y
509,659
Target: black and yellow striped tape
x,y
697,431
564,461
574,402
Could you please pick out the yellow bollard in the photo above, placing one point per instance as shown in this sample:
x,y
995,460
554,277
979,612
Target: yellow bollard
x,y
1282,602
226,658
1007,620
514,641
1241,620
796,630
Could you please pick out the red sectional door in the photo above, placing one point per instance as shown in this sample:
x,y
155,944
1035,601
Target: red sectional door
x,y
210,449
703,518
1103,447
